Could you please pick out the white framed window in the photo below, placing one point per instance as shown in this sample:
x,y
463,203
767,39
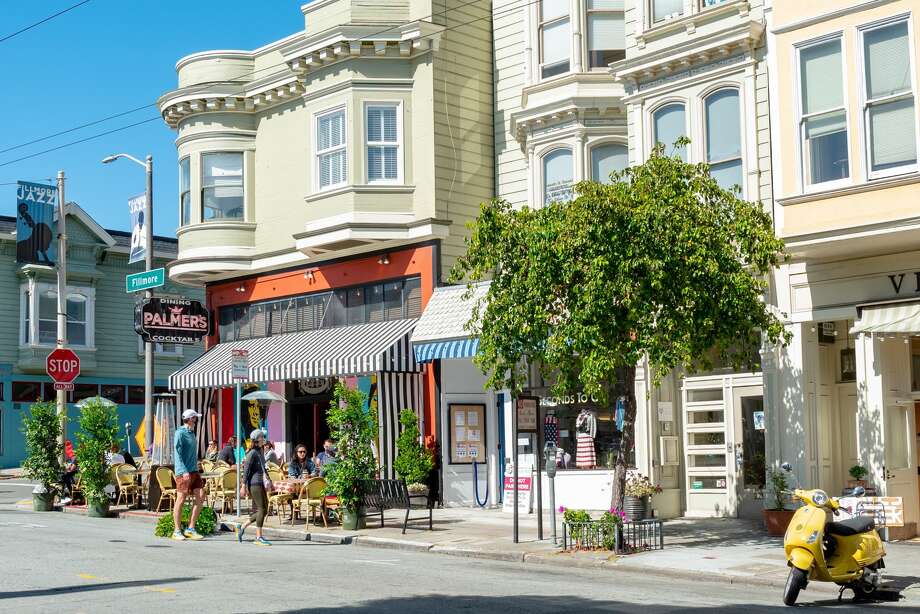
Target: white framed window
x,y
331,151
222,186
607,158
555,38
606,32
162,349
889,109
558,176
823,120
722,112
38,304
661,10
384,135
669,123
185,201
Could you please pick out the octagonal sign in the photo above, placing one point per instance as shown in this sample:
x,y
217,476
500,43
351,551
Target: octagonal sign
x,y
63,366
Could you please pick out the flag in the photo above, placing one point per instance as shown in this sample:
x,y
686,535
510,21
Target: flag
x,y
138,206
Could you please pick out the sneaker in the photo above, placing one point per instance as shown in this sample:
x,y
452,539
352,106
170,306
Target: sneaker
x,y
66,500
261,541
239,529
178,536
193,535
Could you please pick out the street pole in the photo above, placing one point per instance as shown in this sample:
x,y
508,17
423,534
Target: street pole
x,y
62,299
148,346
514,463
236,429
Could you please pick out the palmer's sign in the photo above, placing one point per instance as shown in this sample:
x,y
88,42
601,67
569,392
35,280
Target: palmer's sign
x,y
171,320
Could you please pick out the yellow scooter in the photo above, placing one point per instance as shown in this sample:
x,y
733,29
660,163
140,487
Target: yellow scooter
x,y
848,553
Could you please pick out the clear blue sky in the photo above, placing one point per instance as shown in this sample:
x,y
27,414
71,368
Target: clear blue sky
x,y
103,58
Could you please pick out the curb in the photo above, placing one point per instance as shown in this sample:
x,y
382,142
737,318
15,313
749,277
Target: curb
x,y
472,553
389,543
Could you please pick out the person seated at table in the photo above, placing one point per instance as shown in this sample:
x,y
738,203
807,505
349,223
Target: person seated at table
x,y
326,458
268,450
129,459
228,453
114,457
301,466
213,452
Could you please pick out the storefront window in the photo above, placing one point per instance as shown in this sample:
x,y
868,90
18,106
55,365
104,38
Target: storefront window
x,y
588,433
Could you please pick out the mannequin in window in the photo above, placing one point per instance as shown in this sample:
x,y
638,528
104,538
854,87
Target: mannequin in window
x,y
586,429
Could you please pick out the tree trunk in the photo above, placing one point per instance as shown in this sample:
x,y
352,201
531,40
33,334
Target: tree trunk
x,y
626,387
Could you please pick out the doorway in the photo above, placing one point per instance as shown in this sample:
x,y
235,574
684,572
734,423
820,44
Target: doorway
x,y
749,422
308,404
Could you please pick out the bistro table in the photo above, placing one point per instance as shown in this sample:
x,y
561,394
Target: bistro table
x,y
289,486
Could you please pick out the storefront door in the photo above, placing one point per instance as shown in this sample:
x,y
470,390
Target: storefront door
x,y
749,465
900,468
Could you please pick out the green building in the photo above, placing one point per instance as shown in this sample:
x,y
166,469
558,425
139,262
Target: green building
x,y
100,327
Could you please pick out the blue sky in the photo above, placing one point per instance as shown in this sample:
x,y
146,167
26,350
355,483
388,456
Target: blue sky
x,y
103,58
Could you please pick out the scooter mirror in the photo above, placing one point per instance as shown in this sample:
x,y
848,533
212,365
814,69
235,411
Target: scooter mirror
x,y
786,467
859,491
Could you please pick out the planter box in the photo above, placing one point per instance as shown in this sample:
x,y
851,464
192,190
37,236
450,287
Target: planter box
x,y
43,501
776,521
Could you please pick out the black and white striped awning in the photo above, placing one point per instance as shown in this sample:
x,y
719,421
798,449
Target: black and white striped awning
x,y
346,350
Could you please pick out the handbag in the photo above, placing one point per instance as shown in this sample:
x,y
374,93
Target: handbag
x,y
266,481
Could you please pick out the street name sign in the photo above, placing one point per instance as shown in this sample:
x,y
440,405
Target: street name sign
x,y
63,367
145,280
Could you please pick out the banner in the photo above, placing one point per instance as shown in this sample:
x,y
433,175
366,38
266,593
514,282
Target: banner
x,y
138,206
35,235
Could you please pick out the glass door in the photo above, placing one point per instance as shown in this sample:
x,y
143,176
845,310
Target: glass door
x,y
749,446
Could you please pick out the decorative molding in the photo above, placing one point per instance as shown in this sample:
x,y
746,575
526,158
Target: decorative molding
x,y
823,17
868,186
687,24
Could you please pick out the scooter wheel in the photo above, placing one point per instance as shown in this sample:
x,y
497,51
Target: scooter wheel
x,y
794,583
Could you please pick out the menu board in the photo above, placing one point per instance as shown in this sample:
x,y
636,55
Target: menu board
x,y
467,433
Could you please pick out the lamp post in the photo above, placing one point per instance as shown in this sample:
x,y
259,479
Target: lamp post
x,y
148,263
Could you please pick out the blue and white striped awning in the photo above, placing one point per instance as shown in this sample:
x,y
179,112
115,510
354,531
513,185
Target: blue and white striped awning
x,y
346,350
440,350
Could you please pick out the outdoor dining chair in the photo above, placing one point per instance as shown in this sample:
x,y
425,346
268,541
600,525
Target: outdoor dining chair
x,y
311,495
279,499
167,483
225,490
126,481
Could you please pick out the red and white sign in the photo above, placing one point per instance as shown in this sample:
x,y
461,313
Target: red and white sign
x,y
63,386
239,365
63,366
525,494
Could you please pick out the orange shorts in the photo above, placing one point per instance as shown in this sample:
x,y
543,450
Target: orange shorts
x,y
189,482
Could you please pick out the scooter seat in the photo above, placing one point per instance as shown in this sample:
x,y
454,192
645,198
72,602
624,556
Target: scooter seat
x,y
851,526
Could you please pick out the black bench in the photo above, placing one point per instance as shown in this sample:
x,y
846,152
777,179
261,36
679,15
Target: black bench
x,y
381,495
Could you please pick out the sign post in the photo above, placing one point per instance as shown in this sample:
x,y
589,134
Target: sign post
x,y
239,372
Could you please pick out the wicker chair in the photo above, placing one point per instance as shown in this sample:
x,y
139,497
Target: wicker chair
x,y
207,466
311,495
277,500
126,481
76,493
225,490
167,481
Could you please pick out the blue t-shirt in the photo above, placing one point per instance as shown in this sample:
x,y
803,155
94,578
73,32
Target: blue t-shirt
x,y
186,451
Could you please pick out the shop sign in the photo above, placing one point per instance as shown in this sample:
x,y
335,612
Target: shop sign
x,y
527,414
697,484
580,398
171,320
525,494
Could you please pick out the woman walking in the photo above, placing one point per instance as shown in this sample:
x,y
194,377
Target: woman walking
x,y
257,484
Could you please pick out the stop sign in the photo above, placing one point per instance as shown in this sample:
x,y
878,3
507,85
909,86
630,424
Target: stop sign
x,y
63,365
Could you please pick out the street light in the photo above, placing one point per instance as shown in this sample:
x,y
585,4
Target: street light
x,y
148,294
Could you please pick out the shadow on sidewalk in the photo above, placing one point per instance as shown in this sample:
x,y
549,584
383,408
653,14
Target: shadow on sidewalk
x,y
83,588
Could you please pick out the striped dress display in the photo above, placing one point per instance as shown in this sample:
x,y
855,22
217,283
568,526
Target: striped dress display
x,y
586,429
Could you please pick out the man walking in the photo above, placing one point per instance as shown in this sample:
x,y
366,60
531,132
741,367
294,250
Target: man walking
x,y
188,479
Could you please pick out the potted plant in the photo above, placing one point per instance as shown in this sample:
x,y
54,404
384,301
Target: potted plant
x,y
98,431
637,497
353,429
413,461
858,473
776,517
42,430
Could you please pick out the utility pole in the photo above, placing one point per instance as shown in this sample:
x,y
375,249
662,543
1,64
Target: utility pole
x,y
62,298
148,346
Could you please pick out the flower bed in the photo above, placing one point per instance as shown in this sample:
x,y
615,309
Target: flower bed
x,y
610,532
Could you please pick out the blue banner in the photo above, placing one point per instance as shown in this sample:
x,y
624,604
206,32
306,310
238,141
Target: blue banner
x,y
138,206
35,230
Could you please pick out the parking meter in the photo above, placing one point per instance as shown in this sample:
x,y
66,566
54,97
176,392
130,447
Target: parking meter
x,y
549,455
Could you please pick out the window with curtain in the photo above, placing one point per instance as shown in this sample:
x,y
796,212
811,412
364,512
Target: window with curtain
x,y
222,186
824,123
330,149
723,137
558,176
185,202
889,107
382,131
555,38
670,123
608,158
663,9
606,32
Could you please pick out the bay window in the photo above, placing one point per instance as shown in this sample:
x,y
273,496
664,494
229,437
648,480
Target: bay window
x,y
330,149
555,38
606,32
606,159
382,130
558,176
823,127
222,186
39,315
666,9
669,124
888,98
185,203
723,137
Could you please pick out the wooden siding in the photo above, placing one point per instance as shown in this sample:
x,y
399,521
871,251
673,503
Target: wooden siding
x,y
509,46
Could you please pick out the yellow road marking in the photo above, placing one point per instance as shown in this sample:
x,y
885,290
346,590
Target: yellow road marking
x,y
88,576
159,590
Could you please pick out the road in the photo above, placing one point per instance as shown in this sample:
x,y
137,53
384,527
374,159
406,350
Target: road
x,y
54,562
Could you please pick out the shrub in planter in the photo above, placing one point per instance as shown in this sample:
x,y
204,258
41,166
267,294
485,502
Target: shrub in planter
x,y
413,461
858,473
638,493
775,516
42,430
206,523
98,431
353,429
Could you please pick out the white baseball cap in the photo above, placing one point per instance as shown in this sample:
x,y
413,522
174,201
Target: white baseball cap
x,y
190,413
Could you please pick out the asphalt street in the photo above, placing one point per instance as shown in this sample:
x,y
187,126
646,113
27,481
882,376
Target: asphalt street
x,y
55,562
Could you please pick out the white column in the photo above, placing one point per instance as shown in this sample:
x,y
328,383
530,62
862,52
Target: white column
x,y
575,13
533,177
579,147
870,403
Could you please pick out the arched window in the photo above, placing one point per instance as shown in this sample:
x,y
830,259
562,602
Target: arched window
x,y
723,137
608,158
557,176
670,123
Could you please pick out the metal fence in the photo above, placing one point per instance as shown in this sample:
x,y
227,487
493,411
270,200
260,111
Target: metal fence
x,y
625,538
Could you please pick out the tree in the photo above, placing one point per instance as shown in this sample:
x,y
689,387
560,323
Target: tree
x,y
413,461
660,265
353,428
42,430
98,431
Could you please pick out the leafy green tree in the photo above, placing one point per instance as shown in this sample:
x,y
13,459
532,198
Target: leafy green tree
x,y
42,429
661,264
98,431
353,429
413,461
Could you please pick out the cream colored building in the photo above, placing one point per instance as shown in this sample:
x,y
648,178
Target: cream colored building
x,y
843,85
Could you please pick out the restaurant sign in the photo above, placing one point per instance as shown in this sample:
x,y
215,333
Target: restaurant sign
x,y
171,320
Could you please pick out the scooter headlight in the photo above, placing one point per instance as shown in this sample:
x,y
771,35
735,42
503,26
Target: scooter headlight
x,y
820,498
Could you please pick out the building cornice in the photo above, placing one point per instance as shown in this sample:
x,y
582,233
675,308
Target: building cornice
x,y
841,12
870,186
572,108
688,24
